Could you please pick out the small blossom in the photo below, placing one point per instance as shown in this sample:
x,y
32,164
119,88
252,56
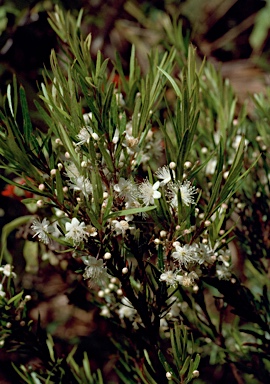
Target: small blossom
x,y
187,280
223,273
126,309
7,271
83,136
183,255
95,270
82,184
105,311
164,174
120,99
76,231
203,253
149,192
92,231
169,277
186,190
42,229
224,256
120,227
126,189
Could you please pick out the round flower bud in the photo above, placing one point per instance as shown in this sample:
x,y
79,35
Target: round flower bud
x,y
125,270
157,241
163,234
226,174
172,165
188,164
107,291
95,136
28,298
41,187
195,373
168,375
119,292
204,150
111,286
107,255
101,293
195,288
65,189
53,172
84,164
60,166
39,203
67,155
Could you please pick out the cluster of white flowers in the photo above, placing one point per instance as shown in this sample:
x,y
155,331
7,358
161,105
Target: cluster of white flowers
x,y
127,193
190,258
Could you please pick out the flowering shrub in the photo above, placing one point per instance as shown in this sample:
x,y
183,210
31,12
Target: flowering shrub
x,y
135,181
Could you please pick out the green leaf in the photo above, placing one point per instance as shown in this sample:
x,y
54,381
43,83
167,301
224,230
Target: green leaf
x,y
16,299
27,125
126,212
173,83
7,229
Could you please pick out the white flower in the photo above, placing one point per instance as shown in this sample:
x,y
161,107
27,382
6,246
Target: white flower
x,y
83,136
211,166
131,143
126,309
120,227
187,280
183,255
186,190
82,184
72,171
175,306
164,173
149,192
104,311
224,256
42,229
76,231
119,99
126,189
87,117
237,140
7,270
95,270
169,277
203,253
223,273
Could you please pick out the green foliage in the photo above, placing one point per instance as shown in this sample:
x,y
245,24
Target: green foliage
x,y
143,182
